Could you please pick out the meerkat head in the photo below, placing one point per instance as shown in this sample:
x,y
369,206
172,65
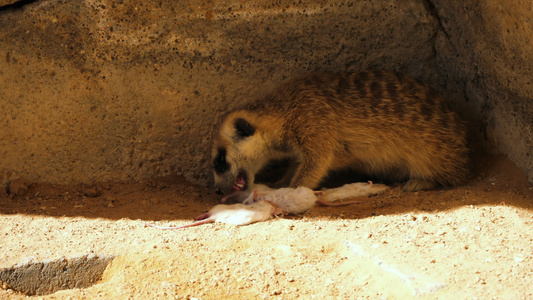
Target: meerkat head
x,y
237,153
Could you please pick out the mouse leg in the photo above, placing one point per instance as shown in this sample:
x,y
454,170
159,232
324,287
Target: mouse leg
x,y
277,210
258,196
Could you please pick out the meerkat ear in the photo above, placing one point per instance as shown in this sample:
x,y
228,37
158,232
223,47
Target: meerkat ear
x,y
243,128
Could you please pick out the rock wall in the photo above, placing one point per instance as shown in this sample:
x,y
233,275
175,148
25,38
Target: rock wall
x,y
100,90
485,57
103,90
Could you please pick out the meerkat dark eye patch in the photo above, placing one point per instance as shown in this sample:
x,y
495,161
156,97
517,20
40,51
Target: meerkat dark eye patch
x,y
243,128
219,163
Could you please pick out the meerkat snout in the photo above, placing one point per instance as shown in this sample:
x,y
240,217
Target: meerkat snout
x,y
219,191
230,172
220,164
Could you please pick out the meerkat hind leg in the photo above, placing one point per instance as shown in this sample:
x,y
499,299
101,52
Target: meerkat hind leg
x,y
285,180
309,173
414,185
276,173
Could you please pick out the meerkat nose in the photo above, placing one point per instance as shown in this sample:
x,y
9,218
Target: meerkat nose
x,y
218,190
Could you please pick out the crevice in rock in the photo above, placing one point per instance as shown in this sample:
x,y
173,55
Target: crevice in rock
x,y
42,278
435,13
432,10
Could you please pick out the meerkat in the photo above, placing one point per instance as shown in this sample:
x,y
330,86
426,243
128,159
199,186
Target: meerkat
x,y
380,123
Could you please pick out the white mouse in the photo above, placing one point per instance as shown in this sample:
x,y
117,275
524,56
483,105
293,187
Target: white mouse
x,y
236,214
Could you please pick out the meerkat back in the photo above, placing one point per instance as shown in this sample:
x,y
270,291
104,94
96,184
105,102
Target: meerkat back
x,y
376,122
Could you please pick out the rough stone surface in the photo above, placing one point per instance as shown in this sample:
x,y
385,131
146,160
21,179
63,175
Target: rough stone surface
x,y
485,56
101,90
41,278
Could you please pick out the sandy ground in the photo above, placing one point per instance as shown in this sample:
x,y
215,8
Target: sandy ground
x,y
473,241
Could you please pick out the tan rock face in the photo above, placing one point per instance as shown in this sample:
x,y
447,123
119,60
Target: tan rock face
x,y
484,49
111,90
101,90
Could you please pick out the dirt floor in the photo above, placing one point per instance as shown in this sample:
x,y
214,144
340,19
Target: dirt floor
x,y
473,241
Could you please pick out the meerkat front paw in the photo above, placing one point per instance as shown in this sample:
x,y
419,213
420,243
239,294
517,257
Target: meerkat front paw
x,y
414,185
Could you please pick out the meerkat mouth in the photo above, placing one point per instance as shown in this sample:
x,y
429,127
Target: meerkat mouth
x,y
240,182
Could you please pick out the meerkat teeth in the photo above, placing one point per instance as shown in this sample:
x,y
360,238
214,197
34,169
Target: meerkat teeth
x,y
238,186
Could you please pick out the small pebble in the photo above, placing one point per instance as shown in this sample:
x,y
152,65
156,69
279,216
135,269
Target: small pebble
x,y
19,187
92,192
518,258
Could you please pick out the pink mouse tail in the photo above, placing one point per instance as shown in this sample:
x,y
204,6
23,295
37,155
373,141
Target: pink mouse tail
x,y
345,203
205,221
